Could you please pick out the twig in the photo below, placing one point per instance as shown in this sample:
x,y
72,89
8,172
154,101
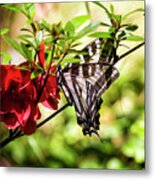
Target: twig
x,y
20,133
52,115
87,8
130,51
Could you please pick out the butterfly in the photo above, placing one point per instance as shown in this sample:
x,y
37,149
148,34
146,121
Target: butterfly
x,y
84,83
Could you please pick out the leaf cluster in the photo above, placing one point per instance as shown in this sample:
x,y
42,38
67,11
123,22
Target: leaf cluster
x,y
63,39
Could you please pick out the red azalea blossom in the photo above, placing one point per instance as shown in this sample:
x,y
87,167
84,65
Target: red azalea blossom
x,y
50,94
19,106
18,94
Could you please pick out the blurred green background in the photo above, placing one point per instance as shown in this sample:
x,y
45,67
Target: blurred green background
x,y
60,142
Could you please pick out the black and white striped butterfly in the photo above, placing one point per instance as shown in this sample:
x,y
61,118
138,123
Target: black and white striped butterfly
x,y
84,83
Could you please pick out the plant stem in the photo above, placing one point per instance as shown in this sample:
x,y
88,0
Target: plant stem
x,y
87,8
20,133
52,115
130,51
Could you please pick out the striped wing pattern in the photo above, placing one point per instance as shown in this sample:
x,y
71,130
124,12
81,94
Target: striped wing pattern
x,y
100,50
83,85
91,52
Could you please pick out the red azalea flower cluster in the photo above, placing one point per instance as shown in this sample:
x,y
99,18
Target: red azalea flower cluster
x,y
19,96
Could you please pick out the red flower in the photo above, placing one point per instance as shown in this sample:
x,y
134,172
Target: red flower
x,y
19,97
50,94
18,108
42,54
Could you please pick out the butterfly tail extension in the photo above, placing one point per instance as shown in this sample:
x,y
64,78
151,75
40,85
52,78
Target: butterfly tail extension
x,y
91,125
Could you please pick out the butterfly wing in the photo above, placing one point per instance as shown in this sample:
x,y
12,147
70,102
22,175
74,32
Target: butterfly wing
x,y
91,52
83,85
100,50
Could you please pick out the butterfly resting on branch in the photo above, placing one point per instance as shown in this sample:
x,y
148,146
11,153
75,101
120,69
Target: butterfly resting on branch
x,y
84,83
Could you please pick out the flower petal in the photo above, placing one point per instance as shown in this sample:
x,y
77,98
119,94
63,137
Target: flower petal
x,y
10,120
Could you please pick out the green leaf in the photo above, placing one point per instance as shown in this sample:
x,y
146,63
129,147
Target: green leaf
x,y
32,11
79,20
122,35
112,8
132,12
75,23
27,52
27,6
3,31
70,29
62,43
28,22
135,38
131,27
104,24
29,10
105,35
14,44
29,43
24,36
24,68
48,60
70,60
48,41
39,36
45,25
91,27
27,30
36,73
6,57
14,8
75,44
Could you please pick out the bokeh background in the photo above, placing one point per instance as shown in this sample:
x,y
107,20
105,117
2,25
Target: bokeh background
x,y
60,142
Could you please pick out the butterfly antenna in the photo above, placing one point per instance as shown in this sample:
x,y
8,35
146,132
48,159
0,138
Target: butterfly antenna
x,y
99,137
97,134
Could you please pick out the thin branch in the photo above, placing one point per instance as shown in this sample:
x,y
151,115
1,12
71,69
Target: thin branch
x,y
8,140
87,8
52,115
130,51
15,131
20,133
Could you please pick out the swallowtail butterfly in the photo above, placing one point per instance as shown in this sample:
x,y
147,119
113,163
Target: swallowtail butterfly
x,y
83,83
